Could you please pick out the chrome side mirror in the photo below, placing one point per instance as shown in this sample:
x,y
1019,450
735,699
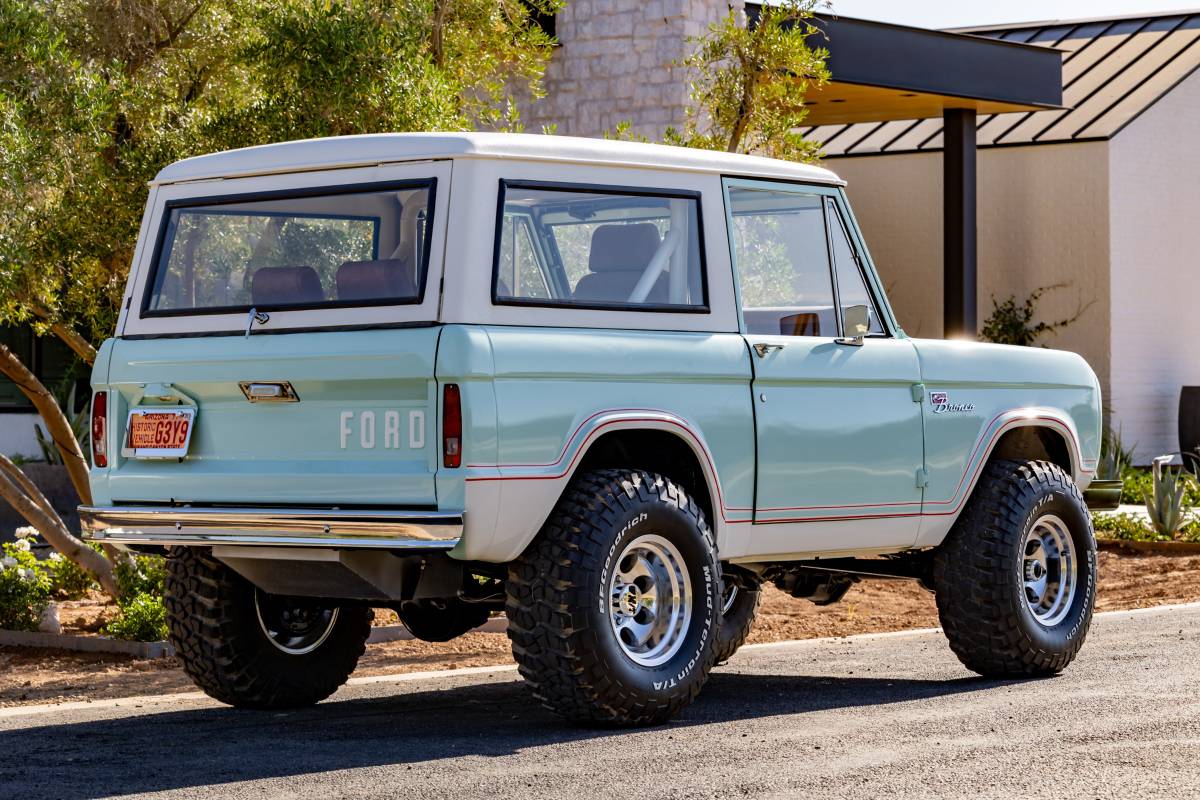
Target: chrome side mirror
x,y
856,322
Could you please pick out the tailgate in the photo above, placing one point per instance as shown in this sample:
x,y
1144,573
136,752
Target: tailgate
x,y
353,424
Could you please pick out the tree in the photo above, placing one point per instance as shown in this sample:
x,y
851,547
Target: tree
x,y
748,83
97,95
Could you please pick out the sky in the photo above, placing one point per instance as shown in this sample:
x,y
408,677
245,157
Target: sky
x,y
956,13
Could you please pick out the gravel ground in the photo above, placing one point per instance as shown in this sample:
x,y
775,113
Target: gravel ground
x,y
878,716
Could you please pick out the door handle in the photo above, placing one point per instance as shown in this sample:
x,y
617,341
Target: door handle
x,y
763,349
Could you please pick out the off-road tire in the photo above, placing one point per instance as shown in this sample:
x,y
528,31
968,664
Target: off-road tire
x,y
737,622
977,573
441,622
214,628
558,611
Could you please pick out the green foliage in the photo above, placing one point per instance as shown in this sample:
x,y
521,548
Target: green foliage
x,y
1136,528
748,84
68,581
97,96
1165,500
1010,323
143,619
24,587
1137,481
142,574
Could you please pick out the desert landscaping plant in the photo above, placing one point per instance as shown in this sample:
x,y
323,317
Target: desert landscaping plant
x,y
1013,323
97,96
1165,500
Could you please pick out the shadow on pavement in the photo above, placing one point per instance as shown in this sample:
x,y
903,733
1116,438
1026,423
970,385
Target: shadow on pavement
x,y
177,750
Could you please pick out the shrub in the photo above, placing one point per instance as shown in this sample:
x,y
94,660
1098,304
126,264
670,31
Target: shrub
x,y
1165,499
141,575
143,619
1129,527
68,581
24,588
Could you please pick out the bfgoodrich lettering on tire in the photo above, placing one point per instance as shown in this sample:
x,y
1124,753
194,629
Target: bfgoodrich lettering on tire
x,y
1016,577
613,610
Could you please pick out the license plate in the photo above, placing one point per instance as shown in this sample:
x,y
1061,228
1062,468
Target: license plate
x,y
160,433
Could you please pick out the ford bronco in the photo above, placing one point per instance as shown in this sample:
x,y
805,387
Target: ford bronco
x,y
610,389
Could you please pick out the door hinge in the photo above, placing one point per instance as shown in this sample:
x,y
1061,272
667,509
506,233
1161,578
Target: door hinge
x,y
922,478
918,392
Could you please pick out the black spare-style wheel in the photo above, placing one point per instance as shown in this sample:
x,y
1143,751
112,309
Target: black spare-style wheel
x,y
613,609
251,649
1016,577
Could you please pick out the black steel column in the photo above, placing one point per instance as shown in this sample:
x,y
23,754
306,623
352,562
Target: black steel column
x,y
960,315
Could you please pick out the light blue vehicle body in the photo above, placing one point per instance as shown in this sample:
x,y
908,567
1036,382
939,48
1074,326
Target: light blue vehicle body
x,y
815,448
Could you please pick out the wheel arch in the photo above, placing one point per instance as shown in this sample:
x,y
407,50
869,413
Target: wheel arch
x,y
1035,442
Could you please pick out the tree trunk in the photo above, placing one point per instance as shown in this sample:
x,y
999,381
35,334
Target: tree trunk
x,y
57,424
69,336
30,503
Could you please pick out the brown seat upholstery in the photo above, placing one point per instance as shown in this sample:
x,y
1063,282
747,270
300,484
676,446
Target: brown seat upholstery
x,y
806,324
285,286
385,279
619,256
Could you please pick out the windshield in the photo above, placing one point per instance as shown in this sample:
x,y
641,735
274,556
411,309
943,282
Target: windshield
x,y
334,249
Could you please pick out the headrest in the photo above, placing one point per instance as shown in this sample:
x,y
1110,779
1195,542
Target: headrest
x,y
623,248
385,279
285,286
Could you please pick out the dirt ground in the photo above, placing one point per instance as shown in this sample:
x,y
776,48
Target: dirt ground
x,y
29,675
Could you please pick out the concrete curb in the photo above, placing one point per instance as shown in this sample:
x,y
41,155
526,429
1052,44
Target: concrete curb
x,y
86,644
1158,548
104,644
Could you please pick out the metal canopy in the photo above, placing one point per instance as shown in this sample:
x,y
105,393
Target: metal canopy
x,y
883,72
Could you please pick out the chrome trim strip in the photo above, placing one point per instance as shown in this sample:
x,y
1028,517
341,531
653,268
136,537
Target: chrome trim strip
x,y
301,527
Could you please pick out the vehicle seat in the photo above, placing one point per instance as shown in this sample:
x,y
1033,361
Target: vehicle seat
x,y
806,324
619,256
285,286
385,279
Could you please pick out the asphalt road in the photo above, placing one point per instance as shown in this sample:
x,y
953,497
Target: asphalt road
x,y
885,716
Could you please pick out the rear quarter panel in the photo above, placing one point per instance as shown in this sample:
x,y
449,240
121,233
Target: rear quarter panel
x,y
552,392
991,389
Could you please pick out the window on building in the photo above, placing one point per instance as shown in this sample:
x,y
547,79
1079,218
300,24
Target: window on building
x,y
51,361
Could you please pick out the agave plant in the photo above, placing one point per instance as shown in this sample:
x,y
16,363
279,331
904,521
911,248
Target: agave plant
x,y
1114,457
1164,501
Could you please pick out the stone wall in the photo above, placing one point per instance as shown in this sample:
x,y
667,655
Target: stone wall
x,y
614,65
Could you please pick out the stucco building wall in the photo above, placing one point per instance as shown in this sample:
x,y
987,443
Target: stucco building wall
x,y
1155,304
1042,220
614,65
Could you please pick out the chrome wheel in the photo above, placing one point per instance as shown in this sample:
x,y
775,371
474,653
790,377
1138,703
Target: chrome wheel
x,y
1048,569
294,625
650,600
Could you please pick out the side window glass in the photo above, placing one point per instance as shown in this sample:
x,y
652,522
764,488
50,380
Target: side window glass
x,y
782,259
603,248
852,288
520,268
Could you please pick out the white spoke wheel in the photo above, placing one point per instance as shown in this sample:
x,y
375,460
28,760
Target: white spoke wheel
x,y
1048,570
651,597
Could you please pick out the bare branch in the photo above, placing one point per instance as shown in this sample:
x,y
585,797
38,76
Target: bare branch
x,y
56,421
30,503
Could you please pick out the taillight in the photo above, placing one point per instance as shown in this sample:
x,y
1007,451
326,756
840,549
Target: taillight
x,y
451,426
100,430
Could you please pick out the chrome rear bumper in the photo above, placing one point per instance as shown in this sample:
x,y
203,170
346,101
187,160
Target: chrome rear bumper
x,y
300,527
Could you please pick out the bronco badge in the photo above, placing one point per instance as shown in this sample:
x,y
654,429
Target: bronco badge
x,y
940,404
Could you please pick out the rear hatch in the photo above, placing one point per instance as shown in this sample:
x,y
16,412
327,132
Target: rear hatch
x,y
278,342
358,428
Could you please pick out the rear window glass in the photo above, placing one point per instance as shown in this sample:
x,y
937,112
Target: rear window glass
x,y
348,248
594,247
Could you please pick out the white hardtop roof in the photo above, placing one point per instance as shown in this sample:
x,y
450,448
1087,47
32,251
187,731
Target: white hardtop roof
x,y
379,148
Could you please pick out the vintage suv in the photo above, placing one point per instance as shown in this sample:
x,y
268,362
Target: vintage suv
x,y
609,388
